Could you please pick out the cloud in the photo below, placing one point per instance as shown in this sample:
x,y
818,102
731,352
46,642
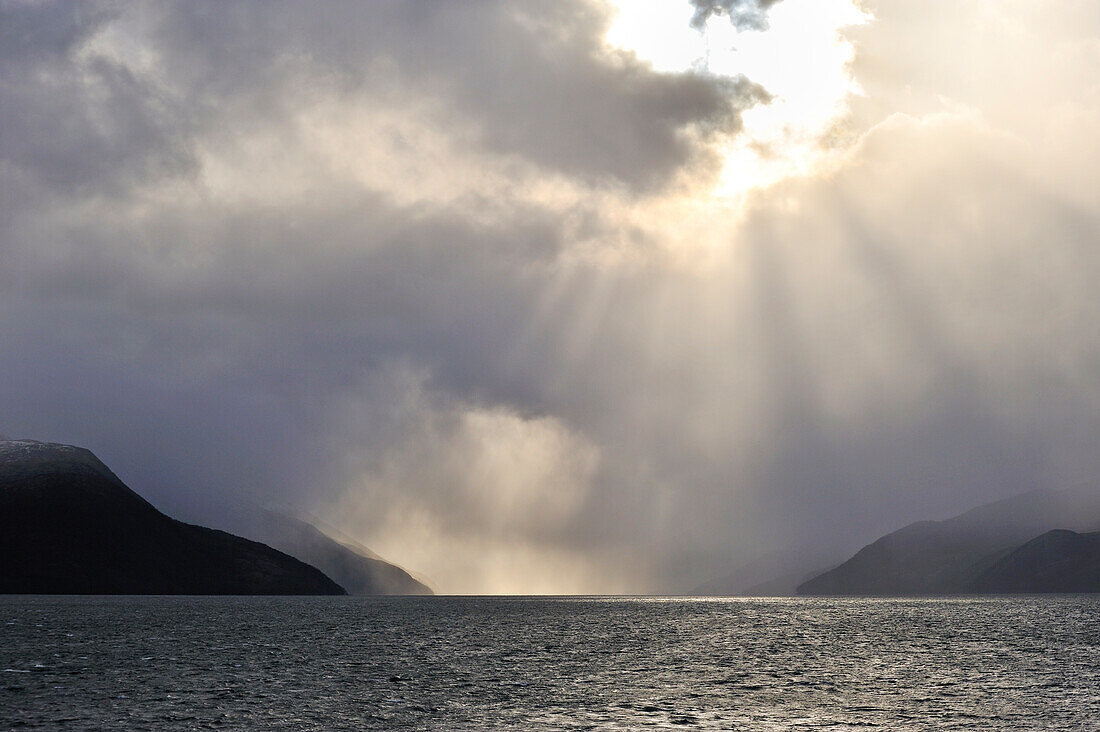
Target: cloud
x,y
744,14
481,499
74,121
450,277
531,79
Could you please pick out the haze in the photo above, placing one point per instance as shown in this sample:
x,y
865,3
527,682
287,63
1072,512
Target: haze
x,y
562,297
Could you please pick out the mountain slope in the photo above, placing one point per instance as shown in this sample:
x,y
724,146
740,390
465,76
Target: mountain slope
x,y
353,568
942,557
1057,561
69,525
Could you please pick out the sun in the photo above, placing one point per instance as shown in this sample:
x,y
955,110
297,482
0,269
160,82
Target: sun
x,y
802,59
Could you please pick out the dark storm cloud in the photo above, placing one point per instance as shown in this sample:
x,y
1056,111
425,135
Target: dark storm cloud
x,y
37,32
533,75
71,125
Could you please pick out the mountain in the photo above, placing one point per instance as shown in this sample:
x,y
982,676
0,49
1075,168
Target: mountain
x,y
944,557
68,525
356,568
1057,561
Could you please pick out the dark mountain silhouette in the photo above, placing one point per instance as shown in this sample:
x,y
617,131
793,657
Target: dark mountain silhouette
x,y
1057,561
945,557
69,525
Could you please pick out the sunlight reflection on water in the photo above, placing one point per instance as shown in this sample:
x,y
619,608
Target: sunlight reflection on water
x,y
565,663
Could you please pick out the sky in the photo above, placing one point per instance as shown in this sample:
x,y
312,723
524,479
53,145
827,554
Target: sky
x,y
561,297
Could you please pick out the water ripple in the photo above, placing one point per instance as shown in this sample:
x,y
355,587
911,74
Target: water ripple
x,y
569,663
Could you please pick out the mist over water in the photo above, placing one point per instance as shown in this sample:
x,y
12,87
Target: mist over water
x,y
579,663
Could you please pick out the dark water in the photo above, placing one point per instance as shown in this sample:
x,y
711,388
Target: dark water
x,y
355,663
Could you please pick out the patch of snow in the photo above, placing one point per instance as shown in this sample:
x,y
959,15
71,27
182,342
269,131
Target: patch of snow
x,y
24,449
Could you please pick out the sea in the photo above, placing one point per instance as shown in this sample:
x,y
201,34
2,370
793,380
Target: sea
x,y
590,663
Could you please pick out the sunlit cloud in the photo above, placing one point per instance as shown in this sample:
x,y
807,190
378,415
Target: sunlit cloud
x,y
801,58
476,498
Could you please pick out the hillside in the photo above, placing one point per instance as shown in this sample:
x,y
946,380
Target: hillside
x,y
944,557
1057,561
357,570
68,525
